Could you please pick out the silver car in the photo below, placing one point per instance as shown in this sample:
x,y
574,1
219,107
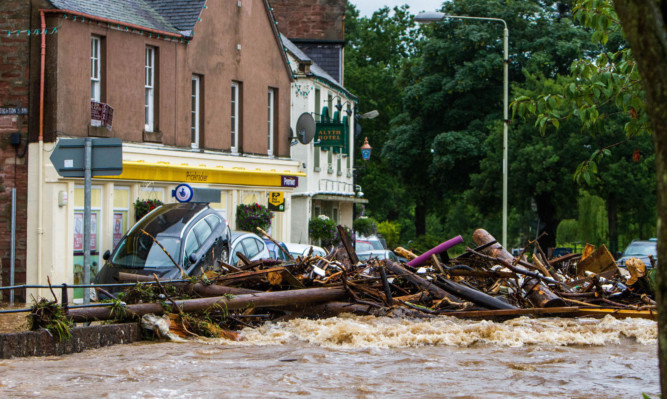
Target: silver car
x,y
249,244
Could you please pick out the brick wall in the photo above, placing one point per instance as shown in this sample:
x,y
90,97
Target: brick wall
x,y
14,99
310,19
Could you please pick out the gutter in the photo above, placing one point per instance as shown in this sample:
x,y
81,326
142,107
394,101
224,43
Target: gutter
x,y
115,22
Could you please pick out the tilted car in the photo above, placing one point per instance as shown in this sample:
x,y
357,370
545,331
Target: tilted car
x,y
192,235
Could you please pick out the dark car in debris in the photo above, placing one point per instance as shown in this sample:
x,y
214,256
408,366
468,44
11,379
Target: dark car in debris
x,y
193,235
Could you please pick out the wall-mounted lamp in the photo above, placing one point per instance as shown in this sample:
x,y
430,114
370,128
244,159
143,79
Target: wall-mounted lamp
x,y
366,150
370,115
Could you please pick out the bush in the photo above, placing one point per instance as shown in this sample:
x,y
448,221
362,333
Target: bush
x,y
142,207
365,226
250,217
391,231
322,229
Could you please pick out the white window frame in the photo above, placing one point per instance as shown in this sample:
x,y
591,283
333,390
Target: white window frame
x,y
195,112
270,107
234,131
149,90
95,68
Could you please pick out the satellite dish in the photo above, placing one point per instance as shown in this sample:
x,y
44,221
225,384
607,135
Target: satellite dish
x,y
305,128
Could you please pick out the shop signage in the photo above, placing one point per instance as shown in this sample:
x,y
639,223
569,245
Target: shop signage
x,y
13,111
330,134
183,193
101,114
106,157
276,201
289,181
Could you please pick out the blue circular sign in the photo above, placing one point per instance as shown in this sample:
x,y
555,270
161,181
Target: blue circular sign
x,y
183,193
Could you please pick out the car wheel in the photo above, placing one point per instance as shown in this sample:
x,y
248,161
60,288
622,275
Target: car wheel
x,y
224,255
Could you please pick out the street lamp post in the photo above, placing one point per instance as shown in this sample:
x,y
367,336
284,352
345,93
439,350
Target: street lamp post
x,y
434,16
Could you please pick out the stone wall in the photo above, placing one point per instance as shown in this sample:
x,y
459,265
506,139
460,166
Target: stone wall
x,y
41,343
14,89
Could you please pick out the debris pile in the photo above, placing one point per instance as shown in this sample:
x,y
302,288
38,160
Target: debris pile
x,y
484,282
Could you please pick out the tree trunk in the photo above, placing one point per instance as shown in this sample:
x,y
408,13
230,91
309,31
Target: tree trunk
x,y
612,219
420,217
548,223
644,27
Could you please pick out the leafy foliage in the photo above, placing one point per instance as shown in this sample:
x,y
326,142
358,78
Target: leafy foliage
x,y
49,315
568,231
322,228
249,217
142,207
391,231
365,226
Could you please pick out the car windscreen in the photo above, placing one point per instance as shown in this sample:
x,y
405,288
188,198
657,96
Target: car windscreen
x,y
139,251
641,249
363,246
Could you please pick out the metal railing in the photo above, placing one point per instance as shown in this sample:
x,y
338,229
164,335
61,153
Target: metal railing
x,y
65,297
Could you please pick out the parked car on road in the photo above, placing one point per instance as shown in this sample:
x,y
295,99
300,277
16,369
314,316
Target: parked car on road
x,y
640,249
303,249
192,235
361,243
249,244
377,254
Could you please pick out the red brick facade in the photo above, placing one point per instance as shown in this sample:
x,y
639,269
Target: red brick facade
x,y
311,19
14,89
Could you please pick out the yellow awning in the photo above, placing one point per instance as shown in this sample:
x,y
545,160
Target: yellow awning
x,y
184,173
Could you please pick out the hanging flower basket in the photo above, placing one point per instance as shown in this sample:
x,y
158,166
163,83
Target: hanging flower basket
x,y
249,217
142,207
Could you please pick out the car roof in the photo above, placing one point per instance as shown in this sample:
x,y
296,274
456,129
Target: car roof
x,y
236,234
295,247
169,220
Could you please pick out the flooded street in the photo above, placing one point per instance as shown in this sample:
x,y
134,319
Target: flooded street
x,y
364,357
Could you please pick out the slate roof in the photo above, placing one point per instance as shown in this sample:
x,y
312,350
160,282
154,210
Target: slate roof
x,y
315,70
173,16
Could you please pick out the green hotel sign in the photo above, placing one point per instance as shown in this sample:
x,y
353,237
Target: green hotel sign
x,y
330,134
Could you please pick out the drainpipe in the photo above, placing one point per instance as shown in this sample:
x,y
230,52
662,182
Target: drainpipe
x,y
40,173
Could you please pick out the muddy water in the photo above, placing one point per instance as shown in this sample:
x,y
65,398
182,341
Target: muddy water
x,y
364,357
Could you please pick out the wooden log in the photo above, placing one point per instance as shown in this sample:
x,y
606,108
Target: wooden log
x,y
471,295
201,289
511,313
433,251
405,253
418,281
351,253
538,293
257,300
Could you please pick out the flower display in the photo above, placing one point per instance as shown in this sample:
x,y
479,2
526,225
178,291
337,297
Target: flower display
x,y
249,217
142,207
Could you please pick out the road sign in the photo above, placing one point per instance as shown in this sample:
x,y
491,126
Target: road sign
x,y
183,193
277,201
69,157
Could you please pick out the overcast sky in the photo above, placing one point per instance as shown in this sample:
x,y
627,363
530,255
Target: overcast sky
x,y
367,7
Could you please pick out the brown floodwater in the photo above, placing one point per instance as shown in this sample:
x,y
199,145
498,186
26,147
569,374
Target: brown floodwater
x,y
364,357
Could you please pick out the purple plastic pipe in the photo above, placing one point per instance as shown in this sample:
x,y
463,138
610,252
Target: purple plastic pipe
x,y
440,248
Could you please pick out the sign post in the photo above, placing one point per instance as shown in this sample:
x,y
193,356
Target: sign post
x,y
87,158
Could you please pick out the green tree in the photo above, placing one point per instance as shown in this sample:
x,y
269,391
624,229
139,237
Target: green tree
x,y
377,47
453,103
634,80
